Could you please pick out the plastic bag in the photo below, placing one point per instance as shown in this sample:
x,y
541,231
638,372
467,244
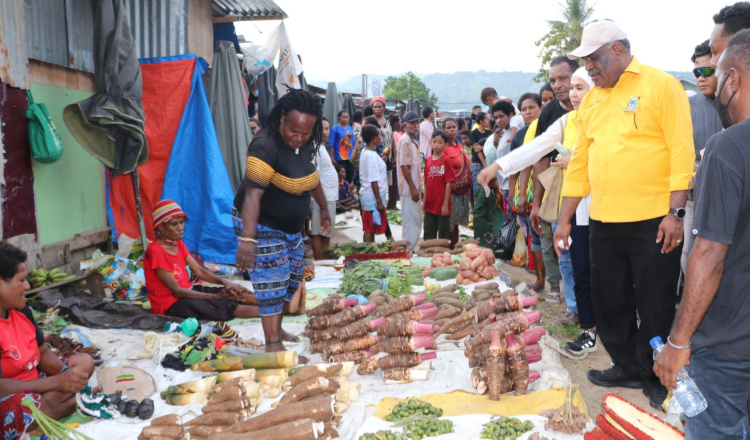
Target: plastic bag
x,y
519,253
123,278
505,241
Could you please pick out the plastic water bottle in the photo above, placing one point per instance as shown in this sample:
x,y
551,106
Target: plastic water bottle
x,y
687,392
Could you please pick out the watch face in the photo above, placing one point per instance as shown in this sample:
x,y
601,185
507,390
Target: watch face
x,y
680,213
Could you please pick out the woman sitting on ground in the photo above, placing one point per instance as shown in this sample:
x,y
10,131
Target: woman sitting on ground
x,y
170,291
24,355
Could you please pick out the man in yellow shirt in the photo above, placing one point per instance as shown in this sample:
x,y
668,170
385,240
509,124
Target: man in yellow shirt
x,y
634,153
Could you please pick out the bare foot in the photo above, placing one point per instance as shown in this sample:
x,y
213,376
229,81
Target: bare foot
x,y
288,337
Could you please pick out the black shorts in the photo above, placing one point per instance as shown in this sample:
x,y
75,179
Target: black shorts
x,y
219,309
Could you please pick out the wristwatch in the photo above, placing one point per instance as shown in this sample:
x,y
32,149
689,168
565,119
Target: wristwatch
x,y
678,212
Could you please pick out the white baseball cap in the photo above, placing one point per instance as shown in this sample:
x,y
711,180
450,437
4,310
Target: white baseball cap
x,y
596,35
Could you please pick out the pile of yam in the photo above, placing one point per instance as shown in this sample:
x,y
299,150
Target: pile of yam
x,y
402,340
502,346
436,246
311,409
400,246
455,315
337,329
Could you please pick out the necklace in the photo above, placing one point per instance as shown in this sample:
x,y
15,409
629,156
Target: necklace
x,y
166,241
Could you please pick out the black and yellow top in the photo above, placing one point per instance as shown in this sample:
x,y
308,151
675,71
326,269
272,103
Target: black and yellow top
x,y
286,176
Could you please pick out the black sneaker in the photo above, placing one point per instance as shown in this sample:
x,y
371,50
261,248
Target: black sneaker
x,y
614,377
656,395
583,344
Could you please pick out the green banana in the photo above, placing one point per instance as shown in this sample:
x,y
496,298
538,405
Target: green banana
x,y
55,271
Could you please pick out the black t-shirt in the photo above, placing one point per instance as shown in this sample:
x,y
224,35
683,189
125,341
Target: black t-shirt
x,y
517,140
287,176
476,138
722,210
549,115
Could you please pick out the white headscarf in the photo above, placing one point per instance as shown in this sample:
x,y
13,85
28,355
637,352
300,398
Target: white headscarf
x,y
584,75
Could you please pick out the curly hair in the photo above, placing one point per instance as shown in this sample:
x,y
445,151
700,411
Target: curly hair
x,y
504,107
304,102
734,18
10,258
533,96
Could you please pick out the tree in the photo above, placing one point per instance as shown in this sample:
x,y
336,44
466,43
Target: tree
x,y
407,85
564,36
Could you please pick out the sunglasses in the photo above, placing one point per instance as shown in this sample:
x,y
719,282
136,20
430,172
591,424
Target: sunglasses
x,y
704,71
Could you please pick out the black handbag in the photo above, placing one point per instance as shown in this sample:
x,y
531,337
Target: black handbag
x,y
505,241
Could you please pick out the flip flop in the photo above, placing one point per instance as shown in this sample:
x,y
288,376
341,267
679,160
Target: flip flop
x,y
537,289
553,297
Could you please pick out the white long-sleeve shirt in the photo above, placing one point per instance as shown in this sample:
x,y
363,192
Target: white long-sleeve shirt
x,y
531,152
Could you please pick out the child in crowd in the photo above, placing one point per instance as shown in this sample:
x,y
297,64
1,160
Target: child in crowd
x,y
438,175
466,141
346,200
374,184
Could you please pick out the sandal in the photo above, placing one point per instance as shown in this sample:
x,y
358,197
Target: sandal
x,y
553,297
537,289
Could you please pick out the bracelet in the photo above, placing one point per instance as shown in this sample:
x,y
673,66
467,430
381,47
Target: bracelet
x,y
63,369
669,341
251,240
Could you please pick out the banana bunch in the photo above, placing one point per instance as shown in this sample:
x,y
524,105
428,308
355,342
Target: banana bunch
x,y
40,277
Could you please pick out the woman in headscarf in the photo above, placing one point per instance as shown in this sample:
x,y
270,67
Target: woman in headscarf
x,y
527,155
270,205
170,291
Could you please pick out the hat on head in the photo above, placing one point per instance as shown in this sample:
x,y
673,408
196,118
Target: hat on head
x,y
165,210
377,99
596,35
584,75
410,116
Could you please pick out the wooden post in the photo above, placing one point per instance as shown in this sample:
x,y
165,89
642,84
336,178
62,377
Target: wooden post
x,y
139,209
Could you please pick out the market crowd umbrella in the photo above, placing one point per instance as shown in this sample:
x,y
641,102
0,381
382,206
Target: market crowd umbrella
x,y
109,124
226,98
349,107
332,104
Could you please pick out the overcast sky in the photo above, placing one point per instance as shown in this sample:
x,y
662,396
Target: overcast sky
x,y
339,39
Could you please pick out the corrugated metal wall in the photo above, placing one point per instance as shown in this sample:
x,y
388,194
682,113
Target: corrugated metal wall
x,y
14,60
159,27
61,32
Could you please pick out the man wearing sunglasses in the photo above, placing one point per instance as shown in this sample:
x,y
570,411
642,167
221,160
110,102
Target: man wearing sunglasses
x,y
706,123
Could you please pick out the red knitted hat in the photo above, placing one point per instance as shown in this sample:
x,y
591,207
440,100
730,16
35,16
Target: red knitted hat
x,y
165,210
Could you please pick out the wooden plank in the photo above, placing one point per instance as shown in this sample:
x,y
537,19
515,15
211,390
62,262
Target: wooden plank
x,y
90,238
56,255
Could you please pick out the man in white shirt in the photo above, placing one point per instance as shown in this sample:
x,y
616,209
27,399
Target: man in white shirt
x,y
329,180
426,128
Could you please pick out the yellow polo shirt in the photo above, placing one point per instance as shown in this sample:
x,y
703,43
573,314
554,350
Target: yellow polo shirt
x,y
634,146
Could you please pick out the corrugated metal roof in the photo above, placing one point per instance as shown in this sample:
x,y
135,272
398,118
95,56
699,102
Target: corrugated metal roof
x,y
80,31
14,60
247,9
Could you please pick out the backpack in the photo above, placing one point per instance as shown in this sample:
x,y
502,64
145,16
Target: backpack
x,y
45,141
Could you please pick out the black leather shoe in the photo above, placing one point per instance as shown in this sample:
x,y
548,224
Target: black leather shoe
x,y
656,395
614,377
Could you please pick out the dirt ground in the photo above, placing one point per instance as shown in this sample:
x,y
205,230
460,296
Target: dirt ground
x,y
597,360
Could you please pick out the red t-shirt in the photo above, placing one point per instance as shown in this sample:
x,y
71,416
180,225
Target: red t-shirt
x,y
159,295
20,339
456,155
437,172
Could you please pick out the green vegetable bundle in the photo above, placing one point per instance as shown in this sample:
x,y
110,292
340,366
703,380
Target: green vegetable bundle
x,y
506,428
355,247
363,278
394,217
430,427
403,410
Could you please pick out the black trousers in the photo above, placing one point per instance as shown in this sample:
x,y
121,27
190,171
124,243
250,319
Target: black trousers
x,y
579,256
631,278
349,168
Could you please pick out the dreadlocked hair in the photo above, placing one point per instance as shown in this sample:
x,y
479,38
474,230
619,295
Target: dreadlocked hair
x,y
304,102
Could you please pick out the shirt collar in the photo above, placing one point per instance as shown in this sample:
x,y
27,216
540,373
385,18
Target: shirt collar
x,y
634,66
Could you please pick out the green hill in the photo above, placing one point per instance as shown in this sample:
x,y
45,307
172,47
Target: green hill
x,y
460,90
